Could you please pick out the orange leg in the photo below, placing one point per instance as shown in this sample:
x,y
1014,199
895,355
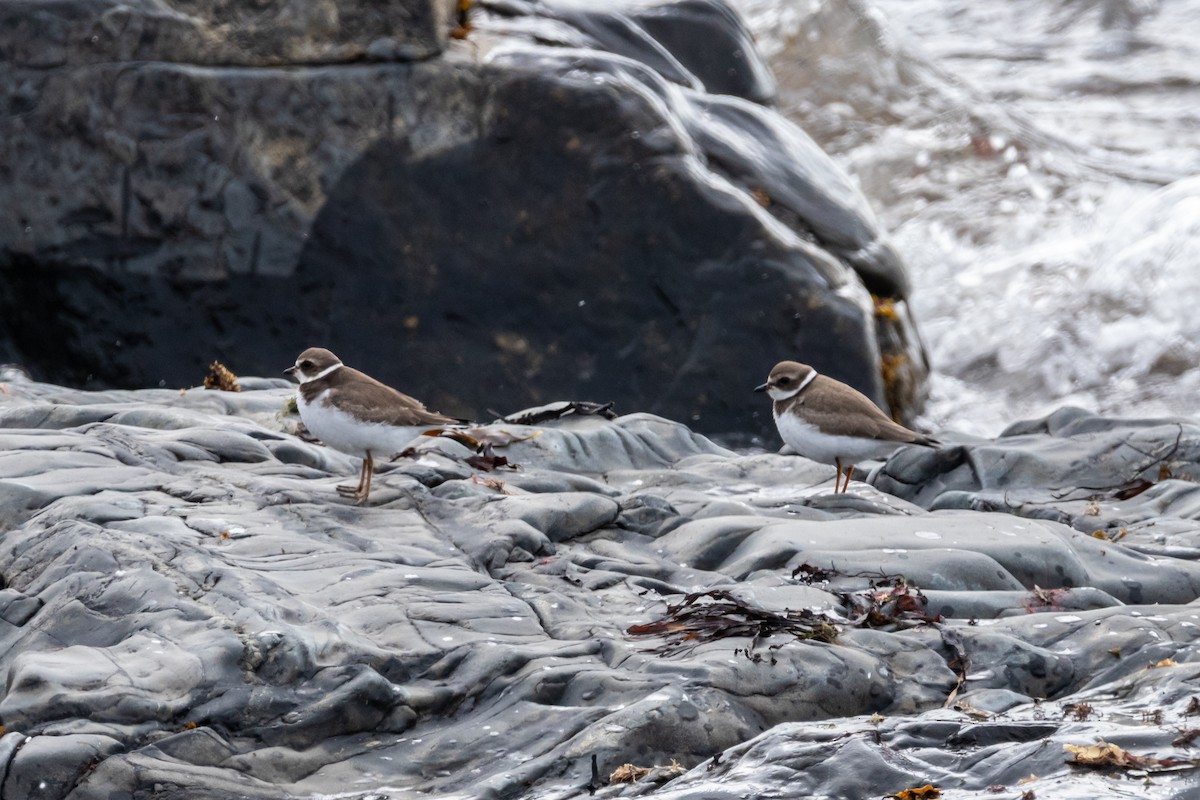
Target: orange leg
x,y
369,472
363,489
838,485
347,489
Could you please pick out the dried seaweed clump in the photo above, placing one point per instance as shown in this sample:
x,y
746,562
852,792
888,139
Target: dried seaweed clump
x,y
219,377
716,614
1107,754
631,773
926,792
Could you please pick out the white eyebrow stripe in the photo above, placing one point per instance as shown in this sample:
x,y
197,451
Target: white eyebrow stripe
x,y
323,372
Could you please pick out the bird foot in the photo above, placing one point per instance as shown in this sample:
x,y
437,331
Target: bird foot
x,y
355,493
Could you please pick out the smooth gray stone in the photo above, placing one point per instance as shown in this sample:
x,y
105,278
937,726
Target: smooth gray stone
x,y
167,419
10,743
1023,552
1000,661
1072,464
647,513
50,766
228,446
542,482
52,417
18,502
295,452
199,746
341,700
16,608
595,446
513,539
915,673
236,628
561,516
996,701
976,604
168,779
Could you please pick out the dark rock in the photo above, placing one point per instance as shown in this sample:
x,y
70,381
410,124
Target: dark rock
x,y
700,44
665,285
647,205
711,42
218,32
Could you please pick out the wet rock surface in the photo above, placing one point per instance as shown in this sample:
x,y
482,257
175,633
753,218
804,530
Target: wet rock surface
x,y
189,609
570,202
1129,479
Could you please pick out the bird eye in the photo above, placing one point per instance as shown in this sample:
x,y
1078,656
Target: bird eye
x,y
306,364
784,381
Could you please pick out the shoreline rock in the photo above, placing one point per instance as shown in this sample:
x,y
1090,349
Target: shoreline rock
x,y
188,609
570,202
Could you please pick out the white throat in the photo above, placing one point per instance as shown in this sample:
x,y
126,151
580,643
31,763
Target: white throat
x,y
779,394
321,374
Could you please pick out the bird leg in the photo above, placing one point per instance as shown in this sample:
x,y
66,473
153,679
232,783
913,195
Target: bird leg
x,y
347,489
360,492
369,467
840,487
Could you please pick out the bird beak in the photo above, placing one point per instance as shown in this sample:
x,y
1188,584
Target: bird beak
x,y
290,370
762,388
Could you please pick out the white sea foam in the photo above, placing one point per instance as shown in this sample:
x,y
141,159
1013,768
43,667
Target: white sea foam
x,y
1032,161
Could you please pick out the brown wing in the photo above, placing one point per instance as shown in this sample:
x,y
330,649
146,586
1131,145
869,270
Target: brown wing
x,y
378,402
852,413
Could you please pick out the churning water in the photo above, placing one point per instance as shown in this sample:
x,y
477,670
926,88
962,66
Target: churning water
x,y
1036,163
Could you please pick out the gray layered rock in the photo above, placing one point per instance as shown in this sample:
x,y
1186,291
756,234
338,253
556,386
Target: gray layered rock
x,y
189,609
1109,477
570,202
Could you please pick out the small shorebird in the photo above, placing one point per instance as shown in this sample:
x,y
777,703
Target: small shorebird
x,y
827,421
352,412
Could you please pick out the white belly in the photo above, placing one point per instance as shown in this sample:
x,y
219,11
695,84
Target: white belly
x,y
343,432
809,442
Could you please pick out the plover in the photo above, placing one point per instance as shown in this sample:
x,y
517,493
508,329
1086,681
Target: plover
x,y
352,412
827,421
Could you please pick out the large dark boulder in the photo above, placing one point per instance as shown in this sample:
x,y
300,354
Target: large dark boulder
x,y
562,205
586,243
